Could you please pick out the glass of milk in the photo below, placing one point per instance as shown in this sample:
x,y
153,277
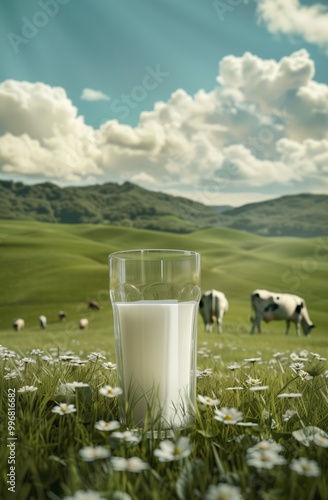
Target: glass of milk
x,y
155,296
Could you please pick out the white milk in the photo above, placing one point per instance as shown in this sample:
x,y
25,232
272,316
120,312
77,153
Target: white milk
x,y
155,343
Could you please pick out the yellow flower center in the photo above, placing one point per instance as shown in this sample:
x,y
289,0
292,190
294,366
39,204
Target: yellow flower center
x,y
228,417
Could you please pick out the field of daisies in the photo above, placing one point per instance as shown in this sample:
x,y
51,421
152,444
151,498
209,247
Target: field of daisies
x,y
260,431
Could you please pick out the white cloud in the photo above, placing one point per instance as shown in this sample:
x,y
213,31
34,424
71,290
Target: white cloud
x,y
44,134
264,125
93,95
290,17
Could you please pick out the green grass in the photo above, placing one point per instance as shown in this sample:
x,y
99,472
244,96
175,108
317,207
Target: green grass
x,y
48,267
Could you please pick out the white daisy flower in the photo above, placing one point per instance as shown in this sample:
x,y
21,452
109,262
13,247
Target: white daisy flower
x,y
307,435
305,467
266,414
169,451
205,400
107,426
74,385
223,492
110,392
252,360
296,367
228,415
28,360
28,388
68,357
109,366
258,388
253,381
36,352
304,375
288,415
290,395
90,453
265,459
128,437
133,464
265,445
235,388
94,356
63,409
233,367
7,354
47,358
11,375
207,372
320,440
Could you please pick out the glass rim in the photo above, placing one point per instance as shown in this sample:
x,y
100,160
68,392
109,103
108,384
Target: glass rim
x,y
148,252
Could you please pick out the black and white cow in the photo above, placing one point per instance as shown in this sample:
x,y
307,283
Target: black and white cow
x,y
212,307
43,321
62,315
84,323
18,324
269,306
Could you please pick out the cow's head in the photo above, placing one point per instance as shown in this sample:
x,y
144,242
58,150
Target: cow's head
x,y
307,329
205,308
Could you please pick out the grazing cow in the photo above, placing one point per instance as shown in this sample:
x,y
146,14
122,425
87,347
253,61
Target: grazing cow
x,y
92,304
269,306
84,322
19,324
213,306
62,315
43,321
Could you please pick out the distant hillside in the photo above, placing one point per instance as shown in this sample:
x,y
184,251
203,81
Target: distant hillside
x,y
303,215
110,203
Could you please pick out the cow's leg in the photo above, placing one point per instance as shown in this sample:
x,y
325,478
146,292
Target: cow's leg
x,y
298,324
219,325
256,324
287,326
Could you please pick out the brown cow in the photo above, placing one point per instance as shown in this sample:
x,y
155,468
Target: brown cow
x,y
92,304
62,315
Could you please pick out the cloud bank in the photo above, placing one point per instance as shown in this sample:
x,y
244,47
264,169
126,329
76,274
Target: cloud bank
x,y
292,18
264,125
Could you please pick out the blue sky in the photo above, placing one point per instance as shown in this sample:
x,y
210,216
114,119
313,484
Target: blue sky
x,y
221,101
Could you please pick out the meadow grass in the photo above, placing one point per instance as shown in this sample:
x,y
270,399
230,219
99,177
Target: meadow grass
x,y
48,267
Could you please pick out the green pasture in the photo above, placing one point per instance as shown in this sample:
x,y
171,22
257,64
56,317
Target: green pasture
x,y
47,267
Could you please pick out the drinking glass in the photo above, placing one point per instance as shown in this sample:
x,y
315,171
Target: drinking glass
x,y
155,296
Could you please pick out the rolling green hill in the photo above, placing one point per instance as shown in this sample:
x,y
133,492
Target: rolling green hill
x,y
129,205
303,215
123,205
46,267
